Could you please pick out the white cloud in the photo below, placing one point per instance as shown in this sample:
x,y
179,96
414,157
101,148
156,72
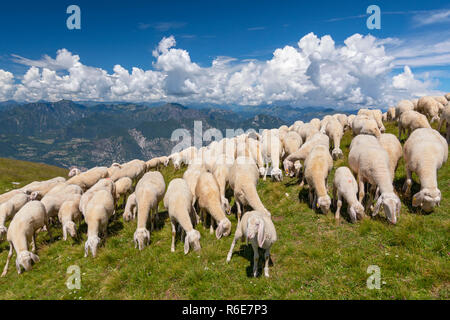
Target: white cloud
x,y
315,72
432,17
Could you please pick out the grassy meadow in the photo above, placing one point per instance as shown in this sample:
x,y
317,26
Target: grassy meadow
x,y
314,258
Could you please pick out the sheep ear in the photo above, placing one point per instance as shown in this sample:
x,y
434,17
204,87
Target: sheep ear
x,y
261,234
377,206
417,200
34,257
35,195
219,231
186,245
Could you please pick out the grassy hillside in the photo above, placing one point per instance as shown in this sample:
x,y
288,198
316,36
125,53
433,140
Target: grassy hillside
x,y
314,258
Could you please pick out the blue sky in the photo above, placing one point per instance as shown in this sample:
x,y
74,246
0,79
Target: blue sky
x,y
126,33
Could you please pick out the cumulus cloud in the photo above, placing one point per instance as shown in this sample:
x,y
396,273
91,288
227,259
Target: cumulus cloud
x,y
314,72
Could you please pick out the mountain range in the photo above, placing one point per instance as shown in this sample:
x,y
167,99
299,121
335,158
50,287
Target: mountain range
x,y
66,133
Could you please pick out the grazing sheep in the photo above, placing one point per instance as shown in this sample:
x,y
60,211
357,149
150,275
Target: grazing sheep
x,y
9,208
370,163
133,169
191,176
98,211
53,200
345,186
129,213
156,163
123,187
22,230
362,124
272,152
350,119
335,131
441,99
391,114
243,179
403,106
318,166
291,143
149,192
221,171
307,130
208,195
343,119
393,147
184,157
374,114
68,215
429,107
178,202
425,152
410,121
87,179
445,119
43,186
316,123
257,228
302,153
102,184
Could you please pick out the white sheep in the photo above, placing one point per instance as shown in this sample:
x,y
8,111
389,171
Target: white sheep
x,y
410,121
98,211
370,163
424,152
393,147
430,107
208,196
318,166
292,162
149,192
445,120
374,114
53,200
124,186
307,130
345,187
9,208
129,213
243,179
258,229
69,214
156,163
221,171
191,176
22,230
178,202
441,99
133,169
102,184
272,153
316,123
43,186
391,114
350,119
87,179
403,106
362,124
343,119
335,132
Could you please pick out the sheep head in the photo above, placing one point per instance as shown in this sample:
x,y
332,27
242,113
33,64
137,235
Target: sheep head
x,y
226,205
356,211
192,239
223,228
277,174
141,238
262,170
337,154
255,228
74,172
91,243
25,259
391,205
427,199
324,203
127,216
3,232
35,195
69,227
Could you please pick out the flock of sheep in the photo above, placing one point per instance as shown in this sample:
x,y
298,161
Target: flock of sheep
x,y
303,150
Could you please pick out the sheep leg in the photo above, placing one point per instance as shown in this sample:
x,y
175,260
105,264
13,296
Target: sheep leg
x,y
266,262
230,253
399,131
408,182
255,259
361,188
5,269
338,207
239,212
174,232
266,170
33,242
211,226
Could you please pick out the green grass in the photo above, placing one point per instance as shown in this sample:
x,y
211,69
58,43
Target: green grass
x,y
314,258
